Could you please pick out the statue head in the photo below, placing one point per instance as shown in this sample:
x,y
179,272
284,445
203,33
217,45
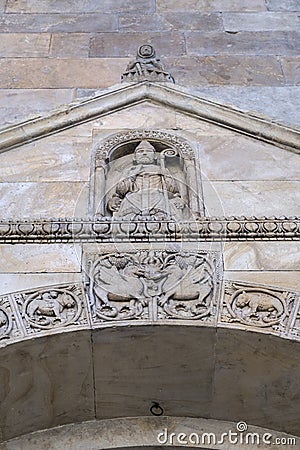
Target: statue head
x,y
146,51
145,153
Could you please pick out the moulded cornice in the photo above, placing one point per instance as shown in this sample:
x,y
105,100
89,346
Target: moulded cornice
x,y
123,96
88,230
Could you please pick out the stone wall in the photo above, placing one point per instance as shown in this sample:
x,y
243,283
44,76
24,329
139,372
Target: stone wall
x,y
241,52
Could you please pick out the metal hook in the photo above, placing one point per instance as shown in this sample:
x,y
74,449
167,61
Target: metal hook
x,y
156,409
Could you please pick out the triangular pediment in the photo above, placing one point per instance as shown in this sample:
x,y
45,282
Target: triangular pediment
x,y
122,97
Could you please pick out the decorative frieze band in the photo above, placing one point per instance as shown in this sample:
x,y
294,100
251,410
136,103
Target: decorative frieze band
x,y
111,230
146,287
42,310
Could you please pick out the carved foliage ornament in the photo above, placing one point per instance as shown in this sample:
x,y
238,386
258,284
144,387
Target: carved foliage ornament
x,y
6,320
152,284
105,149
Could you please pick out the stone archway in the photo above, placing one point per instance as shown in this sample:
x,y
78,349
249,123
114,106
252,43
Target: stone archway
x,y
152,433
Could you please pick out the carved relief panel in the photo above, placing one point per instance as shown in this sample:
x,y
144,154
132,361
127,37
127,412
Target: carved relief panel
x,y
50,308
153,285
145,175
8,323
41,310
150,286
260,307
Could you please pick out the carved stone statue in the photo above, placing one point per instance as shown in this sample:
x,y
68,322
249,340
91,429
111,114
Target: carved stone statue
x,y
145,175
146,67
148,190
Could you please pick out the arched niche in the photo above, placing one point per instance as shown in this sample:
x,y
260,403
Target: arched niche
x,y
114,160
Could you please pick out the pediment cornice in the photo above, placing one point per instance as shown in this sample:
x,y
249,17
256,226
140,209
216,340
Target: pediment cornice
x,y
180,99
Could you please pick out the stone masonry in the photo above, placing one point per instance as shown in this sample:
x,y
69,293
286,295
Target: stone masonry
x,y
245,53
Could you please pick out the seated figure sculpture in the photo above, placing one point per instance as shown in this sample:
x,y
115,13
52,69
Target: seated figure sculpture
x,y
148,191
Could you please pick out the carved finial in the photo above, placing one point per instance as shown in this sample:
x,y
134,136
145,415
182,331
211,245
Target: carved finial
x,y
146,67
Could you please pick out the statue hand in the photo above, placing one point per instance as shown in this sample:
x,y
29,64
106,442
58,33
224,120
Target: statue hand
x,y
178,202
114,203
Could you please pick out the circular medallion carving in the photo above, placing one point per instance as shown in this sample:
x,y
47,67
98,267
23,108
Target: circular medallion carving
x,y
5,323
53,308
257,307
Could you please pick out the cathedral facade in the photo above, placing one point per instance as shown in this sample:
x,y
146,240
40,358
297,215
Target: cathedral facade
x,y
149,229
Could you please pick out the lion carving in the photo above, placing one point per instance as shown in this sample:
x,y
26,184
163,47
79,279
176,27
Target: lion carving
x,y
260,304
49,304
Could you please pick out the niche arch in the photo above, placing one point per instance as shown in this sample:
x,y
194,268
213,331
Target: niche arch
x,y
173,151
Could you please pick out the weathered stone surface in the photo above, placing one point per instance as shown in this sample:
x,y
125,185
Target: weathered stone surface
x,y
249,99
148,115
22,104
138,116
226,70
211,5
268,21
148,433
22,45
11,282
179,98
71,45
243,43
291,70
285,279
60,73
252,356
184,380
186,20
176,21
283,5
31,199
44,383
148,22
114,45
192,367
262,256
55,158
80,23
252,198
34,258
32,6
274,102
79,131
239,158
191,128
2,5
